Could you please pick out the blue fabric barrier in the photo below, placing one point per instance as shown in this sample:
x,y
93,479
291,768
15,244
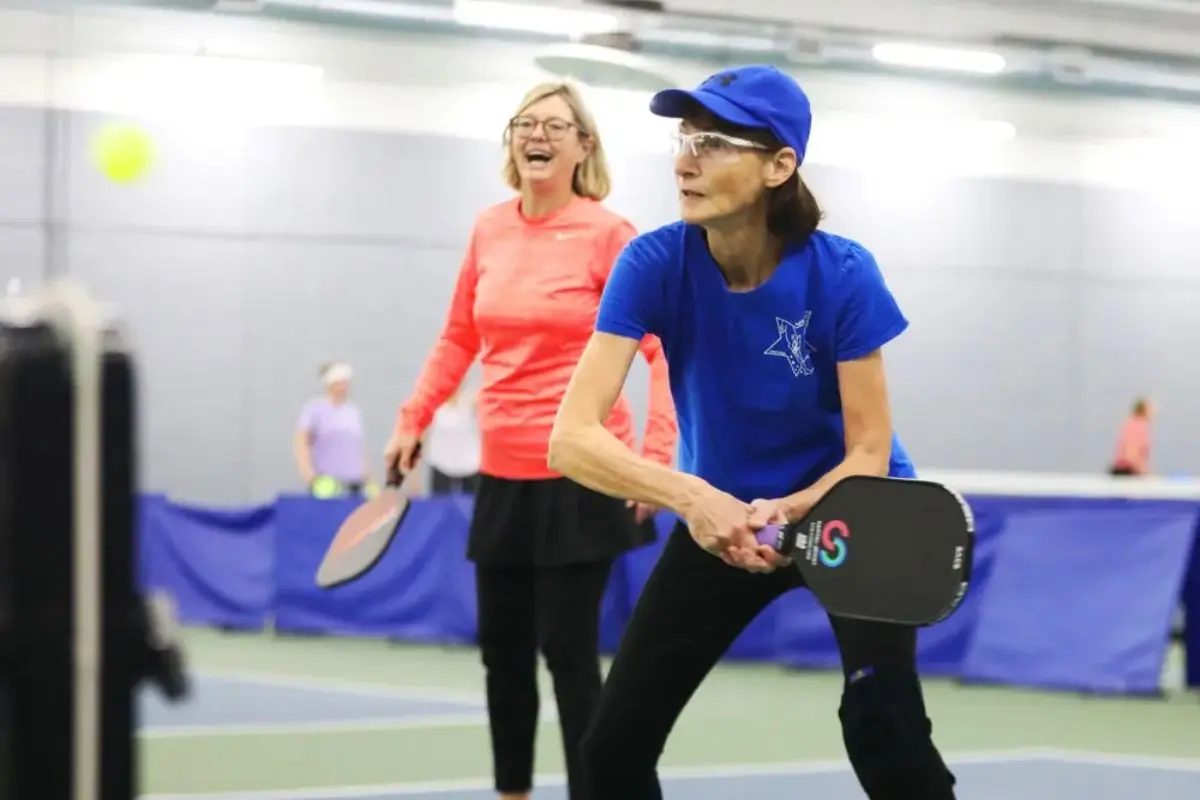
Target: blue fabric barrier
x,y
216,563
401,597
1082,598
1067,593
149,559
1191,610
942,648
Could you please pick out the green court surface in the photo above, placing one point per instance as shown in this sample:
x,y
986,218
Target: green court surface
x,y
318,718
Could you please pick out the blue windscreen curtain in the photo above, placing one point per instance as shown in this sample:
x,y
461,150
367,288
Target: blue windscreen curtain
x,y
1083,597
1069,593
216,563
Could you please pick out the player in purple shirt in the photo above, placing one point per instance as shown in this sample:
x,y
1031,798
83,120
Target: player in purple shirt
x,y
329,437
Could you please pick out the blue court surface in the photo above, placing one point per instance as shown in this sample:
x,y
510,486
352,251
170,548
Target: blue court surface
x,y
239,704
233,703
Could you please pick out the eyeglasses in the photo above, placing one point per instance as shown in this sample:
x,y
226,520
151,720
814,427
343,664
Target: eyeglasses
x,y
555,128
710,145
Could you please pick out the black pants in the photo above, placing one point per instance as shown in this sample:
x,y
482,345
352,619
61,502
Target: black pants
x,y
524,610
691,610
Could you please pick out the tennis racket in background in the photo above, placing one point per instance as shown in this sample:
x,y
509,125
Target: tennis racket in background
x,y
363,538
893,550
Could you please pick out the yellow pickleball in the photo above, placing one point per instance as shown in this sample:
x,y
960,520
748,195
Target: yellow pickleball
x,y
123,152
326,488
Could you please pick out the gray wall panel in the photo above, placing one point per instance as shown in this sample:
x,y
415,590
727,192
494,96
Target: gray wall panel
x,y
21,255
1137,236
1140,337
276,183
22,165
378,307
984,376
980,224
185,304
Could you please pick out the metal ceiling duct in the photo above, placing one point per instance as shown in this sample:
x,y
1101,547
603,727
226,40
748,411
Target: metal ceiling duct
x,y
614,43
602,66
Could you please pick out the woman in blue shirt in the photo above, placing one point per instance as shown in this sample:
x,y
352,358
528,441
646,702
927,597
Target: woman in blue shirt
x,y
773,333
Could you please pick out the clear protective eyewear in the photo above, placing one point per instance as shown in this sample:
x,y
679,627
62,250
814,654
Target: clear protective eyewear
x,y
710,145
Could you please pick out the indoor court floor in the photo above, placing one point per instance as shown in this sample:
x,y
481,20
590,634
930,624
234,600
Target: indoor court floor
x,y
281,718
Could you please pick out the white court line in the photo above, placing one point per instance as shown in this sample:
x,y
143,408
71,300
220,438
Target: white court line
x,y
668,773
361,688
422,722
1096,758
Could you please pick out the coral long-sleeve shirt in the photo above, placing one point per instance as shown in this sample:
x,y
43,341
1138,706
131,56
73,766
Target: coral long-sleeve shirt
x,y
1133,445
525,304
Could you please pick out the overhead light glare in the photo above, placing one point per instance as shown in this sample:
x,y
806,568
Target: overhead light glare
x,y
901,54
534,19
369,8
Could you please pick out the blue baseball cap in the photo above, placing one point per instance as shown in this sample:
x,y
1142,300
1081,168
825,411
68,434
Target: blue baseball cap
x,y
753,96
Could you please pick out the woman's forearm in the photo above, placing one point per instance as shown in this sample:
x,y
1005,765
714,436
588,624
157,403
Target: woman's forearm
x,y
858,461
592,456
303,455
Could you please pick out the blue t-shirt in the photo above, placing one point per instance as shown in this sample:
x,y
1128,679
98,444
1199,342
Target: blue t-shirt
x,y
754,374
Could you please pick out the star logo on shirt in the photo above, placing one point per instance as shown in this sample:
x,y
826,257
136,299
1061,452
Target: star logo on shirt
x,y
792,346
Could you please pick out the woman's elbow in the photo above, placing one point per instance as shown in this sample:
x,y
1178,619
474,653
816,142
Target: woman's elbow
x,y
564,446
873,454
879,458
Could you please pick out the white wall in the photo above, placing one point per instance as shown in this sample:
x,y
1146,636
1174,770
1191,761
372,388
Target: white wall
x,y
468,88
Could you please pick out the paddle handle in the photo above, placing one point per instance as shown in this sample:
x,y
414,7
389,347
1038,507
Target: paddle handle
x,y
769,535
395,477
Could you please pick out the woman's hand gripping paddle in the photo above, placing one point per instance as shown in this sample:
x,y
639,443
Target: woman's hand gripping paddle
x,y
366,534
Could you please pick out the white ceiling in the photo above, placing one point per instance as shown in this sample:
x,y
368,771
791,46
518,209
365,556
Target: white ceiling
x,y
1155,26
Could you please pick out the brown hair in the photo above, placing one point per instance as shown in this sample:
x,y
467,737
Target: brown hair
x,y
1141,407
592,178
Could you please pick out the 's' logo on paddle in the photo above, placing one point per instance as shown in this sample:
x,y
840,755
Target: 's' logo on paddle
x,y
792,346
827,543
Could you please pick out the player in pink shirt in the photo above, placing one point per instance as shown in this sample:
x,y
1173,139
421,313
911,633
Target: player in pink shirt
x,y
1133,443
525,305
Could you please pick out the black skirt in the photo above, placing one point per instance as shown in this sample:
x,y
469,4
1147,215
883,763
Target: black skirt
x,y
550,522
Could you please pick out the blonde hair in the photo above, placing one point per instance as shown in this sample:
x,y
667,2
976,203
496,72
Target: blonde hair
x,y
591,177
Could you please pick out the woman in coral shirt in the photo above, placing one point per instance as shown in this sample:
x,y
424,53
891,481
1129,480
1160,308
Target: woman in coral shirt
x,y
525,304
1133,443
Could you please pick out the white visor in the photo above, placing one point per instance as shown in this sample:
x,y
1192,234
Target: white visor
x,y
337,373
